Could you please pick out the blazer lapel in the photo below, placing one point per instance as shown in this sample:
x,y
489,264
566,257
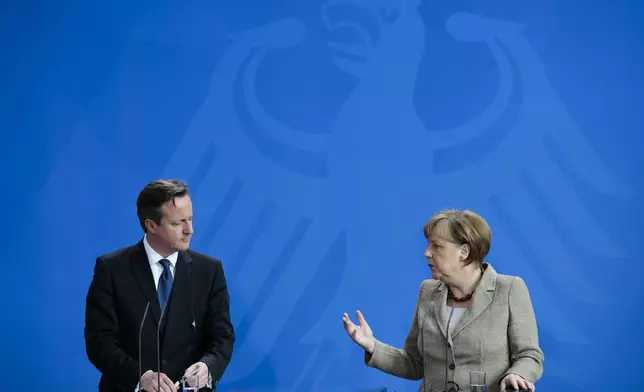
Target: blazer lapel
x,y
481,299
439,298
143,274
180,300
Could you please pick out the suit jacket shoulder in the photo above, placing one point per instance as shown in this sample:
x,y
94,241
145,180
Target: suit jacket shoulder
x,y
199,257
505,280
428,287
118,254
505,283
119,259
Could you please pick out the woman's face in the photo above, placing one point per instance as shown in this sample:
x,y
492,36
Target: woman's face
x,y
444,257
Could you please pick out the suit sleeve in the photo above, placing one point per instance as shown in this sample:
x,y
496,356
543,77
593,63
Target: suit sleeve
x,y
406,362
101,331
525,355
219,334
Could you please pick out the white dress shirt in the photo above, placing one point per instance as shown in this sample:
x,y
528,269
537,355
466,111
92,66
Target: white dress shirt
x,y
155,265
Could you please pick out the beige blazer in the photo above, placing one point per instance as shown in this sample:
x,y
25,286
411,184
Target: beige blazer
x,y
497,335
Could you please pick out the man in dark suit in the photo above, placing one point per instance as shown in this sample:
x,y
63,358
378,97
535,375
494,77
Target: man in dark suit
x,y
160,278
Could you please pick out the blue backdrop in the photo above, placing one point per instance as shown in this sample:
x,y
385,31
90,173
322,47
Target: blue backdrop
x,y
317,138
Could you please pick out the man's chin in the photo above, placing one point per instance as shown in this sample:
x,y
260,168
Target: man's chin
x,y
183,245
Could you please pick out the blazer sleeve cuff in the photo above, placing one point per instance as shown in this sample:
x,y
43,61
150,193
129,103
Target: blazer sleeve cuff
x,y
375,358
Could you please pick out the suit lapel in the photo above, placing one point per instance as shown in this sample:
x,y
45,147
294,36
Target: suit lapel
x,y
482,298
439,299
143,274
180,306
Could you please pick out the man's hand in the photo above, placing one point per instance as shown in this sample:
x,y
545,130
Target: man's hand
x,y
149,382
197,371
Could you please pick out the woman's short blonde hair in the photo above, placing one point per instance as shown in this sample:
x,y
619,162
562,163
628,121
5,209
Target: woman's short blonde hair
x,y
463,227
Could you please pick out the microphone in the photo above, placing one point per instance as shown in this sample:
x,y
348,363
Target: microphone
x,y
159,344
145,314
449,320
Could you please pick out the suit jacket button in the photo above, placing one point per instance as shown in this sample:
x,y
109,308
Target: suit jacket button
x,y
452,366
164,362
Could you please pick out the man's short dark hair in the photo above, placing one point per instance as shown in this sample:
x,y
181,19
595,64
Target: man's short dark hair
x,y
154,195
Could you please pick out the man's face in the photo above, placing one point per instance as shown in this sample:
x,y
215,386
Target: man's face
x,y
175,229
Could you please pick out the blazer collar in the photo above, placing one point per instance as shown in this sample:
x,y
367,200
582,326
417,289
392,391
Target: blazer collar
x,y
481,299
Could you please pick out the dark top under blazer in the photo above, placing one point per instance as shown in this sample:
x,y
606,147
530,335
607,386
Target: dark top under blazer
x,y
120,289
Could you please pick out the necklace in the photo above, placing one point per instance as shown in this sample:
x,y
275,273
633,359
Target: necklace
x,y
459,299
468,296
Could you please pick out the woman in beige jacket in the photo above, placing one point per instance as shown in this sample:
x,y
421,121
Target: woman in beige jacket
x,y
468,317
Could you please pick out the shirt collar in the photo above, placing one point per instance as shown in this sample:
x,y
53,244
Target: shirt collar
x,y
154,257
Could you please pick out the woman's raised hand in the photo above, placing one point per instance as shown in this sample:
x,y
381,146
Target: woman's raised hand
x,y
361,334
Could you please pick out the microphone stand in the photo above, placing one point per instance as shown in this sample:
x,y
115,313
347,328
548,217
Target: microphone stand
x,y
159,346
145,314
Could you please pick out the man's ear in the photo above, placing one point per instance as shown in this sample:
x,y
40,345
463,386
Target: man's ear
x,y
150,225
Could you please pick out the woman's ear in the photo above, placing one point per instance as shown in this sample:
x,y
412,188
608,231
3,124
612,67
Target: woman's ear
x,y
465,252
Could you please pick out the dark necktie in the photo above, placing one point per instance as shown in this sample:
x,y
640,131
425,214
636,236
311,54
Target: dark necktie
x,y
165,283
